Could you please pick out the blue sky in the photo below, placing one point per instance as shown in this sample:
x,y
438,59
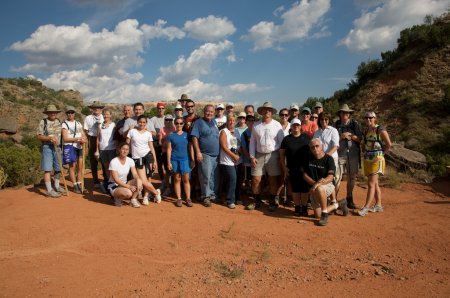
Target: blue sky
x,y
247,51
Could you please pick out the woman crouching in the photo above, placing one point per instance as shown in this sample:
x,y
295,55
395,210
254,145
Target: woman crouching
x,y
118,186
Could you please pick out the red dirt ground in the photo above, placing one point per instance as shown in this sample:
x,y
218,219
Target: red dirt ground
x,y
82,246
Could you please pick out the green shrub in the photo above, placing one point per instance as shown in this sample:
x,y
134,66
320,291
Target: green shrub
x,y
21,164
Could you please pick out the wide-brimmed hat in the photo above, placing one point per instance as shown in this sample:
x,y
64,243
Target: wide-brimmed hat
x,y
267,105
184,97
178,107
51,108
96,105
345,108
70,108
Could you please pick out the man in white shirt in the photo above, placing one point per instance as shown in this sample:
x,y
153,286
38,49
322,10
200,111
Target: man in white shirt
x,y
265,142
90,126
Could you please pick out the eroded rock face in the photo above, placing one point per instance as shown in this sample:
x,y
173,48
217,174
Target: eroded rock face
x,y
8,125
404,159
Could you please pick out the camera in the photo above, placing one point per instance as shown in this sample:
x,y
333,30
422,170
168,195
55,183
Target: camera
x,y
234,150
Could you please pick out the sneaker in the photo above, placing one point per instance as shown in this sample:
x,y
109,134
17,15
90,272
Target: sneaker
x,y
189,203
102,188
77,188
250,207
272,208
179,203
258,204
53,194
158,196
134,203
62,191
118,202
298,211
276,201
145,201
323,220
343,207
231,206
376,208
363,211
207,202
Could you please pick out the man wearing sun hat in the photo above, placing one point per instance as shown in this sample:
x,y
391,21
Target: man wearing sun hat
x,y
265,143
184,98
350,136
90,126
49,133
318,108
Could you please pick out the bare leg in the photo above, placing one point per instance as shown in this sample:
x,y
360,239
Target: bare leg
x,y
176,185
148,187
187,186
256,180
372,184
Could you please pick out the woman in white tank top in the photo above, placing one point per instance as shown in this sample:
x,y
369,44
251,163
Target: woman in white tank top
x,y
106,145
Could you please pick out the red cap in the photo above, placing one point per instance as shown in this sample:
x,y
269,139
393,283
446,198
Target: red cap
x,y
160,104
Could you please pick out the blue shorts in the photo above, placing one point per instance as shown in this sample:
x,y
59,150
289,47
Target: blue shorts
x,y
49,160
181,166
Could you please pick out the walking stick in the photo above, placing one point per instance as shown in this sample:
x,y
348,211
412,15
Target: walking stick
x,y
83,163
58,155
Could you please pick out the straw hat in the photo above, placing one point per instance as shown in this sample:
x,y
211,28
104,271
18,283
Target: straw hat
x,y
96,105
267,105
345,108
184,97
51,108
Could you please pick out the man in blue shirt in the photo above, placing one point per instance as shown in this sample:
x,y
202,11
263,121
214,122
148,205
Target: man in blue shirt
x,y
205,139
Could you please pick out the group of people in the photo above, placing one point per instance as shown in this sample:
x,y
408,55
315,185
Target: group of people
x,y
301,158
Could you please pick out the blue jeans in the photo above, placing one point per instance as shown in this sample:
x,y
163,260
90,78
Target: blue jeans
x,y
208,176
230,179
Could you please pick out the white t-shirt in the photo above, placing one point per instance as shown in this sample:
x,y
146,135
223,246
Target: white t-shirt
x,y
121,169
155,124
221,120
106,136
330,138
286,130
74,128
266,138
139,142
90,124
225,159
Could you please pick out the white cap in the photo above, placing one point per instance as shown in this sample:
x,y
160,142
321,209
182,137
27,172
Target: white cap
x,y
230,104
178,106
220,106
296,121
242,114
294,106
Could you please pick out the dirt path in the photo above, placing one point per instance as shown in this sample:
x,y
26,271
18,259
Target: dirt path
x,y
83,246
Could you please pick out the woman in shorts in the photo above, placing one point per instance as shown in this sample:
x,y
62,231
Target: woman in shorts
x,y
73,135
106,145
143,154
180,160
376,143
118,186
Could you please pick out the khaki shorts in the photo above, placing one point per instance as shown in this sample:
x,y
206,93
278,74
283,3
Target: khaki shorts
x,y
267,163
329,188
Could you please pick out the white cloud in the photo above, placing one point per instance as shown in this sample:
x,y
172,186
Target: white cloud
x,y
158,31
196,65
210,28
298,23
378,29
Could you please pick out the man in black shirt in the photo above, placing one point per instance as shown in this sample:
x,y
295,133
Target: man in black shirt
x,y
294,152
319,174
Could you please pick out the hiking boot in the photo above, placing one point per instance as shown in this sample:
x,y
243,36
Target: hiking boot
x,y
272,208
62,191
323,220
250,207
258,204
304,211
189,203
77,189
231,206
276,201
158,196
343,207
134,203
363,211
350,203
145,201
298,211
53,194
179,203
376,208
207,202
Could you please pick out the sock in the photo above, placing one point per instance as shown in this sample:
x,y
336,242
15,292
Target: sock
x,y
325,211
48,185
56,183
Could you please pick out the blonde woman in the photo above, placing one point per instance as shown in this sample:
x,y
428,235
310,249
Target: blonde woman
x,y
376,144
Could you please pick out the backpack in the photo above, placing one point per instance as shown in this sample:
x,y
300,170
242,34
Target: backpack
x,y
352,128
377,132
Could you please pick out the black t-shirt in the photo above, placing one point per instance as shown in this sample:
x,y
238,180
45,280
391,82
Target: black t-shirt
x,y
297,151
320,168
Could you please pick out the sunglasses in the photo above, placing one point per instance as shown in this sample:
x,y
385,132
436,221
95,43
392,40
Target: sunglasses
x,y
314,117
168,120
179,123
284,115
178,109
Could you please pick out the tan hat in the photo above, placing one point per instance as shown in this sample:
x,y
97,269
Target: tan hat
x,y
267,105
184,97
345,108
50,109
370,114
70,108
242,114
96,105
